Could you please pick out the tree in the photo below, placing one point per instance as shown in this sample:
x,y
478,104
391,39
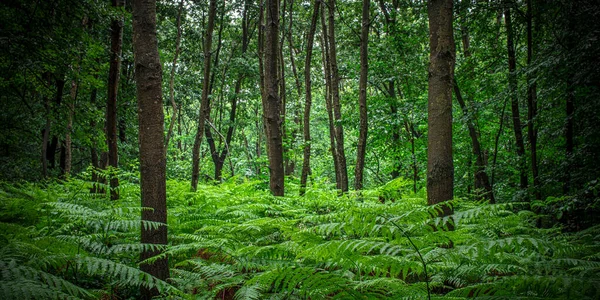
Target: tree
x,y
334,88
272,102
148,74
514,99
362,99
440,167
308,96
116,45
204,105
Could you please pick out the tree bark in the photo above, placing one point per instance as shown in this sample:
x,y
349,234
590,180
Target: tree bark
x,y
514,100
116,44
204,105
362,98
151,137
172,78
440,167
272,103
308,97
328,95
335,97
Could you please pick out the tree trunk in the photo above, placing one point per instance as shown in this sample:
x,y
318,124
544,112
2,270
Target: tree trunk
x,y
482,181
335,97
514,100
440,167
272,103
532,104
308,95
151,137
172,78
116,44
362,98
68,140
204,105
328,105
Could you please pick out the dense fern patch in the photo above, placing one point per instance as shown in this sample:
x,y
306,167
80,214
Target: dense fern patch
x,y
236,241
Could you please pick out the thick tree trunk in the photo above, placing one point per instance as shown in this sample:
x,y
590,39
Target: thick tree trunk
x,y
272,103
308,97
482,181
151,136
335,97
204,105
362,98
440,167
514,100
116,44
172,78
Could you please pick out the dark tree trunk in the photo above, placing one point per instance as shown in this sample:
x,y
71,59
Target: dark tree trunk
x,y
440,167
204,105
514,100
482,181
532,103
308,95
172,78
93,148
335,98
116,44
328,105
151,136
362,98
272,103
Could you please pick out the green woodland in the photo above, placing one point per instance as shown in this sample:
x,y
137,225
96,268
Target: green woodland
x,y
299,149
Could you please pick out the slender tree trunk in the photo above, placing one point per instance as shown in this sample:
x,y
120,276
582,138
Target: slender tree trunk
x,y
151,137
272,103
46,137
116,44
362,98
482,181
335,97
204,105
512,86
328,102
308,95
532,103
391,90
440,167
68,140
94,147
172,78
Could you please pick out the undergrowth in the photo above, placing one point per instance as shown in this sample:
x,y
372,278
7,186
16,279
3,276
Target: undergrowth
x,y
235,241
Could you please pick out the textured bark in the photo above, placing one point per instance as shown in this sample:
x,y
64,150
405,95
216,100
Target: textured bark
x,y
335,98
46,137
532,104
151,136
440,167
204,105
272,103
308,97
328,105
172,78
514,100
482,181
362,98
114,72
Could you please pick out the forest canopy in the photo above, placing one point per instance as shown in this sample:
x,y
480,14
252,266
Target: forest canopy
x,y
315,149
